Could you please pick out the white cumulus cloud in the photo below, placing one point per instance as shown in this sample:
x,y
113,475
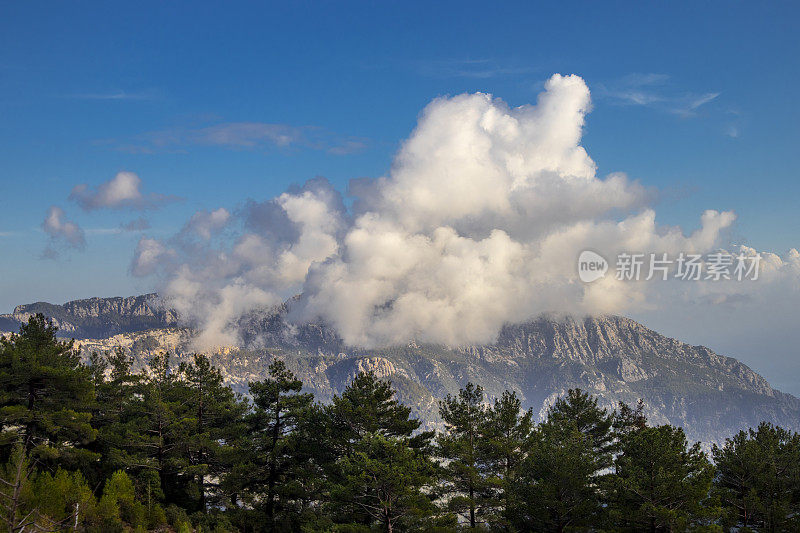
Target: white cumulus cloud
x,y
479,223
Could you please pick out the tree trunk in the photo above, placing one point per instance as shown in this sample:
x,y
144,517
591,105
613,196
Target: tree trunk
x,y
29,425
273,468
201,477
471,507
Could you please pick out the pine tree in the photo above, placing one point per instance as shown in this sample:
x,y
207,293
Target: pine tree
x,y
368,406
35,501
559,483
215,420
580,409
758,479
275,475
156,426
16,492
46,396
115,386
386,478
660,483
504,435
556,488
460,446
628,420
369,428
62,500
98,365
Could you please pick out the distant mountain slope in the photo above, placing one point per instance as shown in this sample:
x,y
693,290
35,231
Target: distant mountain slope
x,y
96,317
616,358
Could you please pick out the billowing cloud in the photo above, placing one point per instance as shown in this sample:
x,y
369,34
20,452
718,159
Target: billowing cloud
x,y
206,223
266,263
62,232
151,256
479,223
122,191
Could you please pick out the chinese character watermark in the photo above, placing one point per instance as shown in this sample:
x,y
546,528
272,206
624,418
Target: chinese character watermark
x,y
717,266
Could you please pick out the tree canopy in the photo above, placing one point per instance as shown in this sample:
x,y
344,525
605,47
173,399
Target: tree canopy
x,y
95,443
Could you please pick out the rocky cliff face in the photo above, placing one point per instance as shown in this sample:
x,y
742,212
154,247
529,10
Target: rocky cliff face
x,y
616,358
96,317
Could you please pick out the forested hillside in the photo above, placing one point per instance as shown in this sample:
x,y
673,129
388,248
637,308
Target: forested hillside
x,y
100,447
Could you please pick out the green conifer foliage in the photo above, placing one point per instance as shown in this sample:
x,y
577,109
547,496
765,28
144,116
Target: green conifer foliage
x,y
660,482
758,479
46,396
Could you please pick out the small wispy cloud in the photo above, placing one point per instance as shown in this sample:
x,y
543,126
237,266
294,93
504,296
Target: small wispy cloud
x,y
734,125
347,146
103,231
116,95
243,136
63,233
469,68
121,191
138,224
239,135
693,102
119,230
732,131
653,90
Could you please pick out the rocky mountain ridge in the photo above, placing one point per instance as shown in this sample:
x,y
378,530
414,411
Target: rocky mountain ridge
x,y
613,357
96,317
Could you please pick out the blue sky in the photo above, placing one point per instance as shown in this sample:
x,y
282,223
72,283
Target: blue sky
x,y
695,99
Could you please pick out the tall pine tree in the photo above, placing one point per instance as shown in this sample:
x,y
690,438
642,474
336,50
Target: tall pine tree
x,y
370,429
275,476
215,419
389,481
504,435
460,446
660,482
758,479
579,408
46,396
558,485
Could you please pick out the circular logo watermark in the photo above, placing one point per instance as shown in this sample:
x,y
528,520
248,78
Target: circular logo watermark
x,y
591,266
